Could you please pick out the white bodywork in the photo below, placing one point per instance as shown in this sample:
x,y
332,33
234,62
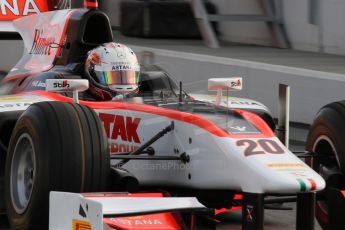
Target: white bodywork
x,y
215,162
21,102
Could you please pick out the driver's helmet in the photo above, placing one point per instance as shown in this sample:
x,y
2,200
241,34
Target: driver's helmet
x,y
113,67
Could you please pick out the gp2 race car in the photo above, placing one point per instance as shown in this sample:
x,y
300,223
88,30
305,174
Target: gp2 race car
x,y
54,136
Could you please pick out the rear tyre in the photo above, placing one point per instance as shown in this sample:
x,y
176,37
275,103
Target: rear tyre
x,y
326,138
54,146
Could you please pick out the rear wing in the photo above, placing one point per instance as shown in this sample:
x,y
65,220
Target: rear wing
x,y
71,209
59,37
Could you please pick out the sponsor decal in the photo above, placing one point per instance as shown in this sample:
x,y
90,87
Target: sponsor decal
x,y
41,44
259,147
121,129
290,165
230,101
121,67
297,174
38,84
291,170
249,103
43,37
16,105
122,148
81,225
64,84
238,128
236,83
114,66
135,221
13,9
244,127
294,169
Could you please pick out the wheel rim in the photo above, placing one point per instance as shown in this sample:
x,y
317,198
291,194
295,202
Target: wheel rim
x,y
22,173
325,166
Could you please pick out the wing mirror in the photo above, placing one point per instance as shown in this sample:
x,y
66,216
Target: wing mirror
x,y
224,84
67,85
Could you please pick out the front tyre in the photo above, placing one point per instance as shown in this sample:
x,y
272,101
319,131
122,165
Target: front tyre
x,y
326,139
54,146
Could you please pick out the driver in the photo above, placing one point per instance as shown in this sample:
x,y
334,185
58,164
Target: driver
x,y
113,71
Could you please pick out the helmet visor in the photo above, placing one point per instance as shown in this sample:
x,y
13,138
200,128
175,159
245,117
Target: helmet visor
x,y
120,77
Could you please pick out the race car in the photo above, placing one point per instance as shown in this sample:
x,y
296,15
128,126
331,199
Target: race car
x,y
56,137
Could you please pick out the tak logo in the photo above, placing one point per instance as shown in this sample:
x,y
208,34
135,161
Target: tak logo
x,y
64,84
123,127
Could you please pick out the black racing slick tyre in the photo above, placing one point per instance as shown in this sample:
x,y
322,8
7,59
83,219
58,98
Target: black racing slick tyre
x,y
55,146
326,139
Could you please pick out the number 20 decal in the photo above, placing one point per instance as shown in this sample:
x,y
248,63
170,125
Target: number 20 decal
x,y
262,146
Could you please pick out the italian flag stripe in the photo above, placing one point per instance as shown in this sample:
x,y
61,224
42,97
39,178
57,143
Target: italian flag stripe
x,y
302,185
313,184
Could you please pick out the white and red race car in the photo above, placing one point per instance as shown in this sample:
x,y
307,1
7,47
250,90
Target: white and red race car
x,y
55,137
